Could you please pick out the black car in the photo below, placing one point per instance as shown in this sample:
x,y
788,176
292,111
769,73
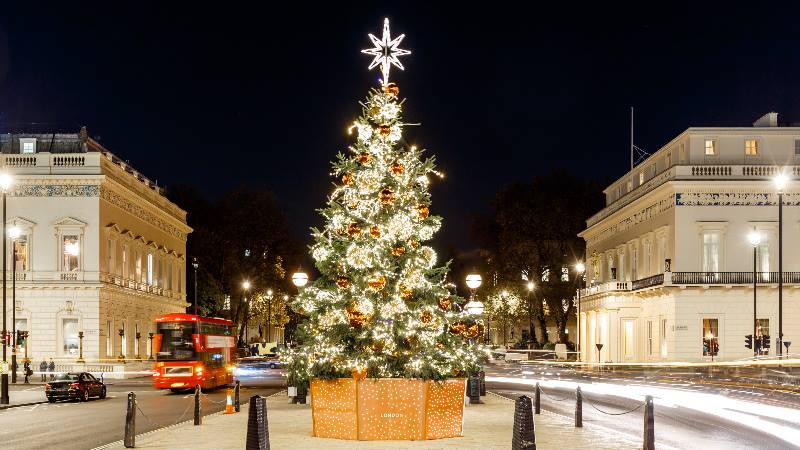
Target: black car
x,y
75,385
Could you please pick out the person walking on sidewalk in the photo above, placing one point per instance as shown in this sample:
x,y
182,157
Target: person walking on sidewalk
x,y
52,369
43,370
27,368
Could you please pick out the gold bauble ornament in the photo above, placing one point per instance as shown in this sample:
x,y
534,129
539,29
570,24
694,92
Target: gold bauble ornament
x,y
405,292
343,282
377,346
384,130
353,204
391,89
423,212
471,331
413,243
347,179
354,230
397,168
445,304
398,251
375,111
377,283
410,341
342,231
364,157
425,317
458,328
439,345
386,196
355,317
375,232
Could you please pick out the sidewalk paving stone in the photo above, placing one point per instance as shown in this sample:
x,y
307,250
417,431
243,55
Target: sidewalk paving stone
x,y
487,426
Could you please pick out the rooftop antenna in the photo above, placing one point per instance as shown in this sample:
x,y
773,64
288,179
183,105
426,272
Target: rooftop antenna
x,y
637,154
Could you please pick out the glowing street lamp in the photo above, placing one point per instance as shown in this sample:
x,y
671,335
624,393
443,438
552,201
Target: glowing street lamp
x,y
474,281
300,279
14,233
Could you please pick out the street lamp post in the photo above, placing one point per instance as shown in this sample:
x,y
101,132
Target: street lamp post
x,y
246,287
150,345
13,233
5,184
579,268
269,315
780,180
532,337
195,265
755,241
474,281
80,347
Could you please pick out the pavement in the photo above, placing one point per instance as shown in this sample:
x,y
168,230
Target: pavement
x,y
487,426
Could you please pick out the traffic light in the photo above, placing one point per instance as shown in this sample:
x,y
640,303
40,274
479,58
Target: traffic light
x,y
748,341
765,341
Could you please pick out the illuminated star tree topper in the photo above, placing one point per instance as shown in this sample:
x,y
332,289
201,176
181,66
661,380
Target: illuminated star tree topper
x,y
386,51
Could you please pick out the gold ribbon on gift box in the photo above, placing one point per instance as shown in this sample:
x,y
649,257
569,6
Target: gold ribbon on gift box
x,y
370,409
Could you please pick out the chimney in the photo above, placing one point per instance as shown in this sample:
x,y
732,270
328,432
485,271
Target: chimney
x,y
768,120
83,134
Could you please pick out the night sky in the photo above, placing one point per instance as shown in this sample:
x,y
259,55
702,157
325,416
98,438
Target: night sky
x,y
236,94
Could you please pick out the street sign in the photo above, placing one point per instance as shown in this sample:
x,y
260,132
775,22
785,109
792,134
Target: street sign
x,y
4,368
787,344
599,347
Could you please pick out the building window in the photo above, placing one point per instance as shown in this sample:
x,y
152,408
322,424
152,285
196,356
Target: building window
x,y
109,339
763,258
180,280
545,275
648,256
621,267
226,304
125,269
612,271
797,146
138,271
27,145
149,268
72,250
710,337
112,255
21,254
711,147
682,153
663,338
564,274
641,178
629,341
762,332
136,340
650,338
634,261
123,350
69,332
711,251
630,186
751,147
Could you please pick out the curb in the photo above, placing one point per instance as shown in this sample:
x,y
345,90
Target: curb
x,y
23,404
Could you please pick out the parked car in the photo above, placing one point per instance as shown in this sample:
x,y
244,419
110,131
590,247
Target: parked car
x,y
74,385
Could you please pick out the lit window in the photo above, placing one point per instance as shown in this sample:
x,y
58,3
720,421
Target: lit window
x,y
710,337
797,146
28,147
751,147
69,333
564,274
149,268
711,247
629,343
650,338
711,147
21,254
546,275
71,248
641,178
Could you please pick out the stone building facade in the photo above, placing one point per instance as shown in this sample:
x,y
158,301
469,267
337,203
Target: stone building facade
x,y
669,264
101,250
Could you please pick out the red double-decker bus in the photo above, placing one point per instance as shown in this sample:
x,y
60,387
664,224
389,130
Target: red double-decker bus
x,y
192,350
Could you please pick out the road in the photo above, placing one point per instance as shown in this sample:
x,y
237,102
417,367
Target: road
x,y
73,425
677,426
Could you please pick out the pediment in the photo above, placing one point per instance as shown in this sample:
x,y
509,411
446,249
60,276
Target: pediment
x,y
69,222
20,222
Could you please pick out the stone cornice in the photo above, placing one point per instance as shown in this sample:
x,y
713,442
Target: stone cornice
x,y
119,196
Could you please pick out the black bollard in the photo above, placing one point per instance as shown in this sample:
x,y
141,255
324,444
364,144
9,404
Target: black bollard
x,y
538,400
524,430
578,408
197,417
130,422
474,390
649,424
482,376
236,404
257,428
301,396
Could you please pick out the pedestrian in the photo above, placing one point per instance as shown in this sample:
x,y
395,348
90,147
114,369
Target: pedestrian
x,y
43,370
27,368
52,369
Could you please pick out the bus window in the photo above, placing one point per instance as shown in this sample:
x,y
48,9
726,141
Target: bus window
x,y
176,341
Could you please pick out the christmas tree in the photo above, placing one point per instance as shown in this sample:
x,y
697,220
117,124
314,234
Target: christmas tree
x,y
381,304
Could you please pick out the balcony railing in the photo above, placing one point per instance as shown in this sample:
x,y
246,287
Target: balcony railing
x,y
692,278
655,280
733,277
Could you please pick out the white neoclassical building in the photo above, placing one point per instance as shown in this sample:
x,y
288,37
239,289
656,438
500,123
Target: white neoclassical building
x,y
669,264
101,249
